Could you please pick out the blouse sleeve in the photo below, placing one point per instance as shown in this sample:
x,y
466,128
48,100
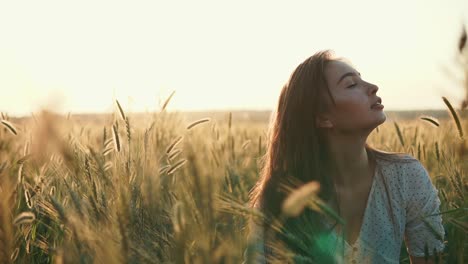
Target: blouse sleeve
x,y
423,223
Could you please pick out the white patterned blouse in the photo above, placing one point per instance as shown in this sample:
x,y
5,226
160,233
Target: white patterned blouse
x,y
400,185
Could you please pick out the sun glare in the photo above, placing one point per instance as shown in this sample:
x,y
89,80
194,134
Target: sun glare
x,y
80,56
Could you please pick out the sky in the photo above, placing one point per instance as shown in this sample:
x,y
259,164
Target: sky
x,y
79,56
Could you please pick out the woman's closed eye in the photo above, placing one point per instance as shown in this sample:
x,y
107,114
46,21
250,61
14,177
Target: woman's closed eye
x,y
352,85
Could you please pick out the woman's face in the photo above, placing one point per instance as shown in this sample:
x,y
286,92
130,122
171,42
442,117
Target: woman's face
x,y
355,99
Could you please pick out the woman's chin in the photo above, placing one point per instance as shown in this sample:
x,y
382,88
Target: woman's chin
x,y
383,119
379,121
380,116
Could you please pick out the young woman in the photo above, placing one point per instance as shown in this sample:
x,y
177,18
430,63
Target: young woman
x,y
325,114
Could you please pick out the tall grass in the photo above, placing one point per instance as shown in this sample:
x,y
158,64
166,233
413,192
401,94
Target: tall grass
x,y
70,192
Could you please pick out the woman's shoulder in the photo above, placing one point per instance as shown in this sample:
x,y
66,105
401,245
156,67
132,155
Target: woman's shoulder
x,y
393,157
402,168
399,166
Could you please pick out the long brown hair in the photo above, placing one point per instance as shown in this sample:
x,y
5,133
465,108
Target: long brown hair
x,y
295,146
296,150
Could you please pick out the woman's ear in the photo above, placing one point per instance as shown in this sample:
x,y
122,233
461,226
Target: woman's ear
x,y
323,122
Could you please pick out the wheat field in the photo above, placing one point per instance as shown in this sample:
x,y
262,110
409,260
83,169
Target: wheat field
x,y
164,189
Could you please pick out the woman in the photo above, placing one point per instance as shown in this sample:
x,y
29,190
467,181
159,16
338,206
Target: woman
x,y
325,114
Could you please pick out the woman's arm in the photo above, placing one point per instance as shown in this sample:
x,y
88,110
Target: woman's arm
x,y
424,230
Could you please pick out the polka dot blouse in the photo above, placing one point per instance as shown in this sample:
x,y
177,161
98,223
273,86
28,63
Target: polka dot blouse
x,y
401,205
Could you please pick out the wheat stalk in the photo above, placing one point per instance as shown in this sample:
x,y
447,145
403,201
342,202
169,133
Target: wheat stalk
x,y
246,144
174,154
299,198
20,174
173,144
436,144
198,122
167,101
52,191
122,114
108,150
455,116
400,135
164,169
108,142
104,136
176,166
127,127
23,159
107,166
27,196
10,127
178,219
24,218
116,138
462,40
419,151
431,120
26,149
15,254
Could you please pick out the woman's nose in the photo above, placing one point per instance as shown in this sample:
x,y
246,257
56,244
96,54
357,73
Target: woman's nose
x,y
373,89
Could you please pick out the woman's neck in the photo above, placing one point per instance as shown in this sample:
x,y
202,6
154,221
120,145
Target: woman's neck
x,y
351,161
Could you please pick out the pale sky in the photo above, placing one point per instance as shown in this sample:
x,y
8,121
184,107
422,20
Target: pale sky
x,y
79,56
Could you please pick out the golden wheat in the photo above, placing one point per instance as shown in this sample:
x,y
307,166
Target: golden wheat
x,y
10,127
24,218
122,114
431,120
177,165
167,101
298,199
116,138
173,144
201,121
454,116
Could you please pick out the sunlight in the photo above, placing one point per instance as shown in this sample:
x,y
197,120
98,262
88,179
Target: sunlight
x,y
216,56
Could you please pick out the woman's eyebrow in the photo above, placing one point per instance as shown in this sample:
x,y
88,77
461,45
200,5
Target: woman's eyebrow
x,y
348,74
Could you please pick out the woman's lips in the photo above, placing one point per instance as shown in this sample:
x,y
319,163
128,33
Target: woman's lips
x,y
377,106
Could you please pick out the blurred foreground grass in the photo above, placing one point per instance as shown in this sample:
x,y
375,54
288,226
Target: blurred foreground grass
x,y
130,190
